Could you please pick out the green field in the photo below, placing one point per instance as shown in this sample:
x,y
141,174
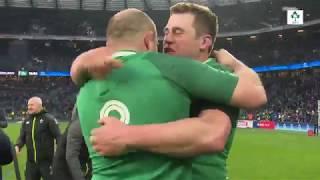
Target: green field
x,y
256,155
13,131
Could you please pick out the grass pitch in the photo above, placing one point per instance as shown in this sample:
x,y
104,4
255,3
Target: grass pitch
x,y
256,155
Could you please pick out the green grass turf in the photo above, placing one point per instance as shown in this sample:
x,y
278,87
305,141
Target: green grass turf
x,y
256,155
274,155
13,131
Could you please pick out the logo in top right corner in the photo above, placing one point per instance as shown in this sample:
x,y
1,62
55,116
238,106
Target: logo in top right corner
x,y
295,17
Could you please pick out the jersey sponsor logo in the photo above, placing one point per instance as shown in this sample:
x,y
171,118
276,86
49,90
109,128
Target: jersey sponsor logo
x,y
41,121
119,107
28,122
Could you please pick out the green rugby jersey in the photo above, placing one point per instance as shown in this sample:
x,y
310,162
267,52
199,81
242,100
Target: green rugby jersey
x,y
149,88
213,166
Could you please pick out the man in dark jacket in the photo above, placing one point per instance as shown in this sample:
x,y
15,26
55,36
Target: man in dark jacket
x,y
3,120
5,150
5,145
77,155
38,133
60,168
72,160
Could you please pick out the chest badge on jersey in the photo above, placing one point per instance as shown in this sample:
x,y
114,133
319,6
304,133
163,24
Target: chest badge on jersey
x,y
116,106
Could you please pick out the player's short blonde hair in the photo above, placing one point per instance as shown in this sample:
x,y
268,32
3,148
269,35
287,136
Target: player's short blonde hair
x,y
129,24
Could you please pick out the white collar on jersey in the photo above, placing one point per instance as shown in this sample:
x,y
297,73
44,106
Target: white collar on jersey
x,y
123,53
207,61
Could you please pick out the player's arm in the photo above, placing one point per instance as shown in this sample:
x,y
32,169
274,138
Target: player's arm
x,y
54,127
238,67
208,132
79,72
92,64
21,141
186,137
190,74
205,82
245,73
74,143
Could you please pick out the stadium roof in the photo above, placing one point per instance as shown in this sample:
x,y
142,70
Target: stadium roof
x,y
112,5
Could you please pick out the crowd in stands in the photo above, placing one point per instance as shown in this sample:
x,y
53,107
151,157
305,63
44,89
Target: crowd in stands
x,y
292,96
266,49
277,48
57,93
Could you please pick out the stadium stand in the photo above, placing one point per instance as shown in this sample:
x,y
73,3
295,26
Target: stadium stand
x,y
287,100
58,95
292,94
292,97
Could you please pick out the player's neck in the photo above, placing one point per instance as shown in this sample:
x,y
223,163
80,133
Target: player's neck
x,y
121,46
203,57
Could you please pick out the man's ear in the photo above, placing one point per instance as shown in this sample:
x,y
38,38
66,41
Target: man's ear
x,y
206,42
150,41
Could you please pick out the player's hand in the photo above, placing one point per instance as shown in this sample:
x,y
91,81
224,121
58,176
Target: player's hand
x,y
17,149
108,140
225,58
94,63
100,67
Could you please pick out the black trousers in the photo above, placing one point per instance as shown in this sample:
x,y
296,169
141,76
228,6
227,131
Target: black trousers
x,y
34,171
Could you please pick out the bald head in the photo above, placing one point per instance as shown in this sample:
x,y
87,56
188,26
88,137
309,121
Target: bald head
x,y
129,24
34,105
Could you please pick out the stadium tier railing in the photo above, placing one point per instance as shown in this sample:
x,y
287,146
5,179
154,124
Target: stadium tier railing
x,y
102,38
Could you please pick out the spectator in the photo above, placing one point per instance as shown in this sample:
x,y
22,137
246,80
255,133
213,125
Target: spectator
x,y
5,144
38,132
